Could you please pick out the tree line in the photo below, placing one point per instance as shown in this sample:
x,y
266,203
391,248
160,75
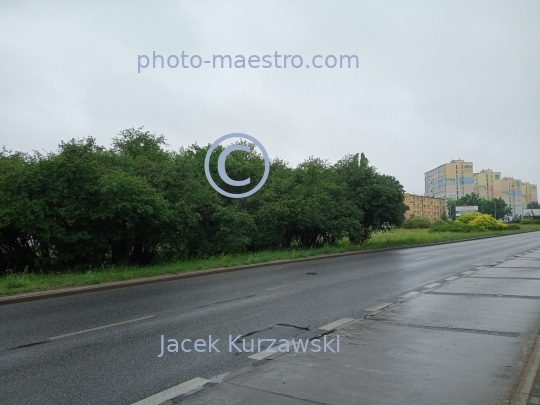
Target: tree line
x,y
496,207
138,203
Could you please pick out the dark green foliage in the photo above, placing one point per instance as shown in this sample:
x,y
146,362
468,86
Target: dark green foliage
x,y
533,205
439,222
497,208
417,223
530,222
444,216
138,203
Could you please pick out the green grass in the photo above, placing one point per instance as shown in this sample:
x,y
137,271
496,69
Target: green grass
x,y
28,282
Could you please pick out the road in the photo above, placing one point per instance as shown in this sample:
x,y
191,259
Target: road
x,y
97,357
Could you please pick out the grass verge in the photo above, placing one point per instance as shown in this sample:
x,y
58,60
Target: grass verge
x,y
28,282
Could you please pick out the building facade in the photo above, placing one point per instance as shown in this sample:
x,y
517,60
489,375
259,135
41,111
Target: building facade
x,y
422,206
511,194
529,193
456,179
488,184
450,180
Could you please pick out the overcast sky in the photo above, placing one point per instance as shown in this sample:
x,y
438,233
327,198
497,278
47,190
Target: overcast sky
x,y
436,80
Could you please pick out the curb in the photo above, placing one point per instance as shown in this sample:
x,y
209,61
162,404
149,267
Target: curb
x,y
522,394
63,292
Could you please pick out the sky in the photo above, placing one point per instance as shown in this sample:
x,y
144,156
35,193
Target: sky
x,y
436,80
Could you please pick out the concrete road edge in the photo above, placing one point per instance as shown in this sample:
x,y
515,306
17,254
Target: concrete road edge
x,y
523,392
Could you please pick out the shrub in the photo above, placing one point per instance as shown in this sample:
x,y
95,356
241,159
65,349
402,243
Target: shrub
x,y
439,222
417,222
457,227
488,222
468,217
512,227
530,222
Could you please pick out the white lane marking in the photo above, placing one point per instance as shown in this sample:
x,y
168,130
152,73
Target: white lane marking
x,y
451,278
378,306
481,267
101,327
420,258
264,354
283,286
173,392
468,273
335,324
432,285
409,294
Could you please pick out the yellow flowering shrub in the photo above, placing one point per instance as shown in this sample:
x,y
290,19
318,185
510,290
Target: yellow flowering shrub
x,y
468,217
488,222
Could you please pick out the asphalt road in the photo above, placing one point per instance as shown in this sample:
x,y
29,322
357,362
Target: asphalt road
x,y
119,364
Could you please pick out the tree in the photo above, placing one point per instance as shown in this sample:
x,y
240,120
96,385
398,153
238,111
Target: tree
x,y
451,208
472,199
497,208
533,205
379,197
444,216
136,203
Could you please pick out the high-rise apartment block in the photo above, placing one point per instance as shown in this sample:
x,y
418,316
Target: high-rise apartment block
x,y
488,184
450,180
529,192
456,179
511,194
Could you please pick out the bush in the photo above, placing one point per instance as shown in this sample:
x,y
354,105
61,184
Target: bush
x,y
468,217
488,222
439,222
530,222
457,227
417,223
87,206
512,227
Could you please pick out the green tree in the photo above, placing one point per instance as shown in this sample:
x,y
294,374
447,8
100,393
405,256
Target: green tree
x,y
379,197
533,205
470,199
137,203
451,208
495,207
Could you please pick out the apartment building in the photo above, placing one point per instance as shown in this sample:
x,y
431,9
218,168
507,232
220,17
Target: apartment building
x,y
488,184
450,180
511,194
456,179
422,206
529,193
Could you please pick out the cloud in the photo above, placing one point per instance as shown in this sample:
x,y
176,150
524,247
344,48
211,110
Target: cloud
x,y
436,81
